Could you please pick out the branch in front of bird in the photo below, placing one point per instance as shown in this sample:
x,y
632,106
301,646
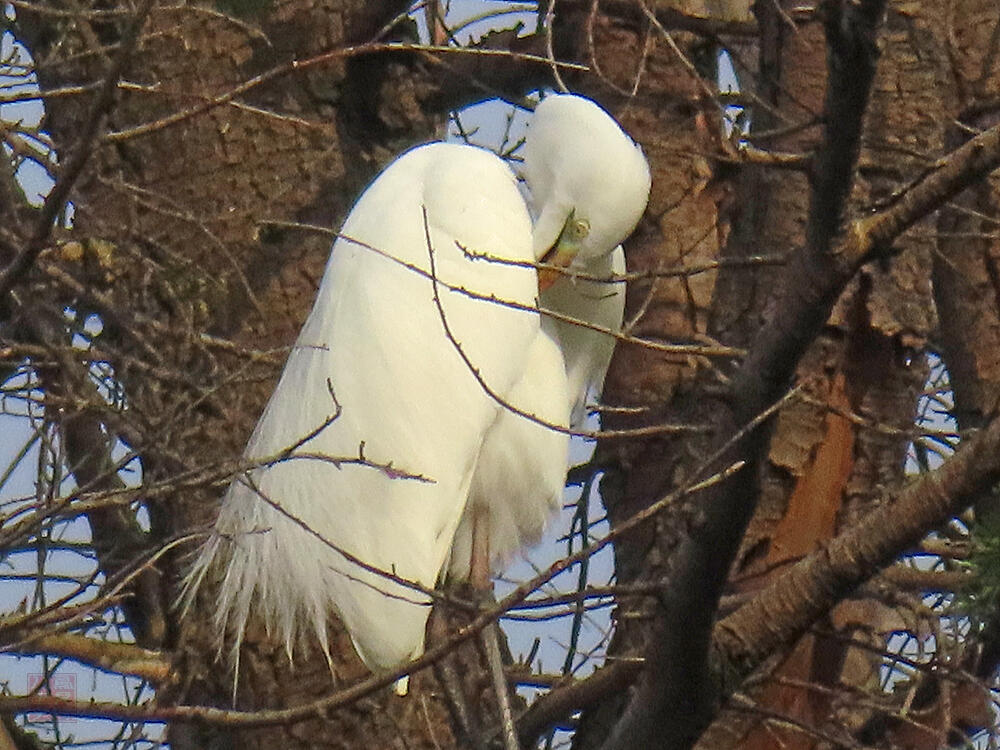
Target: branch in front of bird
x,y
665,271
712,350
375,682
587,434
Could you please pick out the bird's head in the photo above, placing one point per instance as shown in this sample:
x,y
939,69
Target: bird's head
x,y
589,182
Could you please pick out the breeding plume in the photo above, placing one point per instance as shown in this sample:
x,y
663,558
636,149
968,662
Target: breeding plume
x,y
418,428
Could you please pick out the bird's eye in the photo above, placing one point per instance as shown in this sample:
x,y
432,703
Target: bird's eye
x,y
579,228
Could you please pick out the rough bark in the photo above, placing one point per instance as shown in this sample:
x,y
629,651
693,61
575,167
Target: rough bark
x,y
674,118
965,276
825,471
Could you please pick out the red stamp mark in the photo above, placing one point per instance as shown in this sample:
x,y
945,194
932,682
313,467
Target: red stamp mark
x,y
59,685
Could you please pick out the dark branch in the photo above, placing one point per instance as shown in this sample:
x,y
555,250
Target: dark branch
x,y
563,700
674,699
815,278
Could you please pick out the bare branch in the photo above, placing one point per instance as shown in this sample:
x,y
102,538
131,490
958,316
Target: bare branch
x,y
784,610
120,658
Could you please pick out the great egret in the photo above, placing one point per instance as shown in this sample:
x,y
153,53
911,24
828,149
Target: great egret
x,y
396,439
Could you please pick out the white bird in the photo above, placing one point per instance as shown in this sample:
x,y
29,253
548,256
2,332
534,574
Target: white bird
x,y
408,365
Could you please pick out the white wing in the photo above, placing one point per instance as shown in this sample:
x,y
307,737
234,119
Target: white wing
x,y
375,337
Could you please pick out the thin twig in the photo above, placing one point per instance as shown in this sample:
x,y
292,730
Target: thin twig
x,y
297,65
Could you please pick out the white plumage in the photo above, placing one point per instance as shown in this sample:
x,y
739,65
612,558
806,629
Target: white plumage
x,y
577,159
376,348
587,352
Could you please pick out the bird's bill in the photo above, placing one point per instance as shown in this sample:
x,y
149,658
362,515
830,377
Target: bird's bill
x,y
564,252
557,256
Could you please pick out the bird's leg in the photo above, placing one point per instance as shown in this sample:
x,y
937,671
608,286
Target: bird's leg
x,y
479,565
482,584
444,671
